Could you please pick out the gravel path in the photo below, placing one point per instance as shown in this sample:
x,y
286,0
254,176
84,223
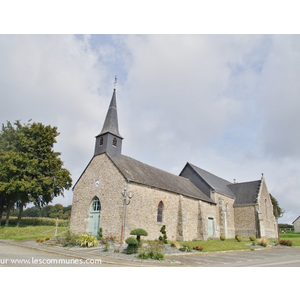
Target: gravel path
x,y
114,250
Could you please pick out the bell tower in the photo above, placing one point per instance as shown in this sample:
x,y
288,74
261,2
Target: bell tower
x,y
109,139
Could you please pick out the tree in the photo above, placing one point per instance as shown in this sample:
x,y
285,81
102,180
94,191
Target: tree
x,y
30,170
277,210
139,232
163,237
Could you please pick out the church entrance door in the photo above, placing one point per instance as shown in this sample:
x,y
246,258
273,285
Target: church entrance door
x,y
210,227
94,219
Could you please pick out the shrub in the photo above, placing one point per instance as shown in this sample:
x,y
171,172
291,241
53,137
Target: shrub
x,y
252,238
163,237
132,245
139,232
286,243
222,237
175,245
106,247
263,242
38,221
87,240
154,251
198,248
47,238
42,240
143,253
238,238
70,239
185,248
38,239
99,237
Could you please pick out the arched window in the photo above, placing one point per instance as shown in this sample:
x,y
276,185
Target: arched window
x,y
115,142
96,204
160,210
101,141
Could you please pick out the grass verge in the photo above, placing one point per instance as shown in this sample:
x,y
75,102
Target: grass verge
x,y
28,232
233,244
218,245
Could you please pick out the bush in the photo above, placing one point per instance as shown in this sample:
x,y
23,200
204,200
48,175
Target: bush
x,y
40,221
154,251
38,239
163,237
238,238
139,232
198,248
132,245
263,242
252,238
222,237
99,237
286,243
175,245
185,248
70,239
87,240
143,253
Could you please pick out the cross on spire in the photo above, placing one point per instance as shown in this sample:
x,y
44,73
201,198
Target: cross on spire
x,y
116,81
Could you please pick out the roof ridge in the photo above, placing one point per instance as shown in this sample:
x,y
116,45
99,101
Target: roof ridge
x,y
243,182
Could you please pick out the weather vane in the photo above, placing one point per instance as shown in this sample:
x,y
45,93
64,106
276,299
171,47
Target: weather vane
x,y
115,83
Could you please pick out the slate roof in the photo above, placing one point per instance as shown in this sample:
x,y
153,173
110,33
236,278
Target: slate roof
x,y
139,172
296,220
245,192
111,121
216,183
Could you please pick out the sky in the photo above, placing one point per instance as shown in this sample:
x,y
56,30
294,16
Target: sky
x,y
226,103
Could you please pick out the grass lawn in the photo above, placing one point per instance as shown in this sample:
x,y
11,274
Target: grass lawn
x,y
218,245
28,232
233,244
294,237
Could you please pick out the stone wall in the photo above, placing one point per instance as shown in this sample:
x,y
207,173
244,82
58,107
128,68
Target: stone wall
x,y
185,218
245,220
226,215
268,225
109,191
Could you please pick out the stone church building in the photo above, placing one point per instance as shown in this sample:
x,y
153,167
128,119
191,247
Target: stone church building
x,y
118,194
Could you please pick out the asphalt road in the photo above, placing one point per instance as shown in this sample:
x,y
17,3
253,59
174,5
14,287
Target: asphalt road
x,y
26,254
18,256
278,257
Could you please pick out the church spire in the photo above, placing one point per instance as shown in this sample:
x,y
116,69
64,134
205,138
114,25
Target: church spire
x,y
111,121
109,140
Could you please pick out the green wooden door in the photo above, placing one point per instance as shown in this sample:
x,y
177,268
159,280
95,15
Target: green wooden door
x,y
94,218
210,227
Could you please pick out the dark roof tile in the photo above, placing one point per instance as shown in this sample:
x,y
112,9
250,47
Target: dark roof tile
x,y
245,192
139,172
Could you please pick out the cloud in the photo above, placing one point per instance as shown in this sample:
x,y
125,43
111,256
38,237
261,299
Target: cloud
x,y
279,98
54,79
227,103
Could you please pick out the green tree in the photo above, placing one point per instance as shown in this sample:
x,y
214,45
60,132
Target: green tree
x,y
57,211
30,169
277,210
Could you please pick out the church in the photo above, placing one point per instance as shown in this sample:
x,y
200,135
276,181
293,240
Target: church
x,y
118,194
